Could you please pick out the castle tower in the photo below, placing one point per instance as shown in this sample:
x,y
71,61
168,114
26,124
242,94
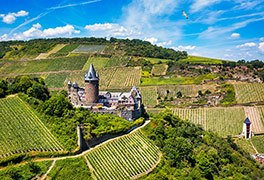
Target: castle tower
x,y
247,132
91,80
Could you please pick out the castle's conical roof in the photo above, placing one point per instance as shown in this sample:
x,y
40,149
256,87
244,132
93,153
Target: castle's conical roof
x,y
91,74
247,121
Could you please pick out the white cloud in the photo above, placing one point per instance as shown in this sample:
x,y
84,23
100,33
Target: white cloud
x,y
246,45
64,30
36,32
152,40
213,32
261,39
201,4
11,17
235,35
111,29
4,37
261,47
184,48
165,43
247,5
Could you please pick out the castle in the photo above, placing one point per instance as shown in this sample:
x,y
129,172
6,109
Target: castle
x,y
127,105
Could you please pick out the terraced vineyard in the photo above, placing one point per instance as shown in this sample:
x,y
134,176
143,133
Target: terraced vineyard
x,y
159,69
22,131
124,158
249,92
224,121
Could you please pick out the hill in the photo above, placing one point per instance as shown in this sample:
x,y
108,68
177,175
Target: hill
x,y
216,95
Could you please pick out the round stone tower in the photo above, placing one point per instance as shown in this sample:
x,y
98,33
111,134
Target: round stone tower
x,y
91,80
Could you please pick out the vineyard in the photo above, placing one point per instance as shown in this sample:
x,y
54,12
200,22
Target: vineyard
x,y
124,158
46,65
261,113
98,62
54,50
149,95
125,77
246,93
57,80
159,69
89,48
186,90
255,117
22,131
117,61
224,121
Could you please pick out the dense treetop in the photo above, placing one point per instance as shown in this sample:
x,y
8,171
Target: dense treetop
x,y
133,47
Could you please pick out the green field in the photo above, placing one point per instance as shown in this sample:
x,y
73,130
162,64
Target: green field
x,y
176,80
89,49
249,92
149,95
35,66
258,142
157,60
200,60
124,158
70,169
98,62
22,131
159,69
224,121
186,90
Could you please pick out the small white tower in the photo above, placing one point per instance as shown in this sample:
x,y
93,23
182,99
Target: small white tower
x,y
247,131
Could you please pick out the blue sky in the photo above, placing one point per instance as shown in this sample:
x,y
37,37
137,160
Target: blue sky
x,y
226,29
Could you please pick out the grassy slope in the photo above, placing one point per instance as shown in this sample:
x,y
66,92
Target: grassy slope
x,y
176,80
201,60
70,169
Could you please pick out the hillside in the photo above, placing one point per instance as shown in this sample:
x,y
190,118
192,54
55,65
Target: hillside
x,y
213,94
187,152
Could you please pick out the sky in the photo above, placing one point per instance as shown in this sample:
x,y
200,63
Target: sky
x,y
226,29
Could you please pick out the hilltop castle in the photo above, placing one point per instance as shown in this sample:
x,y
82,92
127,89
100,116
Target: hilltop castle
x,y
127,105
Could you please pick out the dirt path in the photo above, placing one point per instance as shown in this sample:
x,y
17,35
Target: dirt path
x,y
50,168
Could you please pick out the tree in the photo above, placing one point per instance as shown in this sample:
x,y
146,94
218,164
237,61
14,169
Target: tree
x,y
179,94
